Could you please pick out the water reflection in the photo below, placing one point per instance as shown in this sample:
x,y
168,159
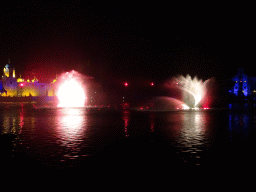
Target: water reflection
x,y
152,122
125,117
189,135
10,123
21,118
66,136
239,124
71,125
193,129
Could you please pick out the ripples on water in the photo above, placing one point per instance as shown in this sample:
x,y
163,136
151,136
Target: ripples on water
x,y
65,138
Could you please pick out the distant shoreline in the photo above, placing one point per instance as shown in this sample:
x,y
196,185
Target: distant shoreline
x,y
28,99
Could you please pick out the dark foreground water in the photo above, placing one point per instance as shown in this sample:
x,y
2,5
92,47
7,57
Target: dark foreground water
x,y
39,143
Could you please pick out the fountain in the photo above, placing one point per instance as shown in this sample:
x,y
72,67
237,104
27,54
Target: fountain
x,y
71,92
184,93
193,91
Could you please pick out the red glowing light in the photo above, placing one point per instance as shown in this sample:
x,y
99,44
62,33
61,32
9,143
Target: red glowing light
x,y
21,84
152,84
125,84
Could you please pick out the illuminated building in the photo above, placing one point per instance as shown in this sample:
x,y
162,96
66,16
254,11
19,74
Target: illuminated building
x,y
243,84
9,71
10,86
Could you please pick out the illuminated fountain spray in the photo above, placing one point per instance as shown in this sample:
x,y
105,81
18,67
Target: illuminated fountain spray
x,y
184,93
193,90
71,92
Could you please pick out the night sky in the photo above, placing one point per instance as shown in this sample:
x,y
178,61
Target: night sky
x,y
151,41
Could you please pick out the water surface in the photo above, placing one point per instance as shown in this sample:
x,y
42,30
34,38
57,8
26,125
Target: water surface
x,y
68,141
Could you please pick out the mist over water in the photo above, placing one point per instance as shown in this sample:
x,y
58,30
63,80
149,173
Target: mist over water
x,y
164,103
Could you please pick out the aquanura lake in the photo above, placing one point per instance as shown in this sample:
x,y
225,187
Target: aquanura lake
x,y
44,142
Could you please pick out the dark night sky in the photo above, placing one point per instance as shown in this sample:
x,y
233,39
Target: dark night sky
x,y
152,41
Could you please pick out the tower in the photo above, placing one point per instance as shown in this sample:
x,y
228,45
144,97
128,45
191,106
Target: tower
x,y
9,81
9,71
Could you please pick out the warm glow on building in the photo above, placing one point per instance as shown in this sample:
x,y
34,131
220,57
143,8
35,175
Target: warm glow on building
x,y
6,71
20,80
10,86
35,79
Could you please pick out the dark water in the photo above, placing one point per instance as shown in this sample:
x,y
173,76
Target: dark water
x,y
123,144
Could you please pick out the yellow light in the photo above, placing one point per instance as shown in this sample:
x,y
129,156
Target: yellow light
x,y
35,79
20,80
28,80
6,72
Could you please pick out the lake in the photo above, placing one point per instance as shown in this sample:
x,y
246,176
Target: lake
x,y
99,142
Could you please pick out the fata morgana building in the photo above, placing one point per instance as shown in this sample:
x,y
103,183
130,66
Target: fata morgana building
x,y
243,85
11,86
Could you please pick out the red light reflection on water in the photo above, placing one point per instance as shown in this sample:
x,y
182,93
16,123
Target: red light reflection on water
x,y
126,116
21,117
152,122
